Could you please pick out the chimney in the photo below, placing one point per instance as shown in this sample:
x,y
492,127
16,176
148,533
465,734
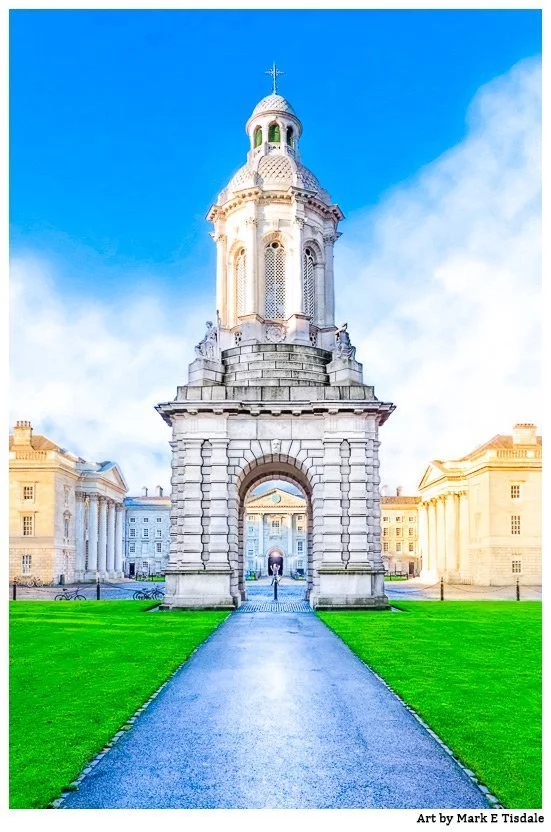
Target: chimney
x,y
159,490
144,491
524,433
399,490
22,433
384,490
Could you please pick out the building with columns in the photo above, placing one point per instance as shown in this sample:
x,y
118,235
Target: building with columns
x,y
480,516
66,514
147,533
275,522
275,391
400,533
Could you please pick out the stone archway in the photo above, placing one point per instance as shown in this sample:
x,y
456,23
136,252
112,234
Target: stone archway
x,y
265,469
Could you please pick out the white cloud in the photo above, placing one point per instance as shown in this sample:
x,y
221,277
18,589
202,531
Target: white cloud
x,y
449,267
88,373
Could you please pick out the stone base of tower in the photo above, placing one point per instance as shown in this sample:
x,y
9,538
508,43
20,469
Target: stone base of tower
x,y
198,588
357,587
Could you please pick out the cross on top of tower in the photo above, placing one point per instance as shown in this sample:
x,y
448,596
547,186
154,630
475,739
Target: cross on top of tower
x,y
274,72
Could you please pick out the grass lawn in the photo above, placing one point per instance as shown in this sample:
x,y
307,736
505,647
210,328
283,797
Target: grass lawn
x,y
472,671
78,671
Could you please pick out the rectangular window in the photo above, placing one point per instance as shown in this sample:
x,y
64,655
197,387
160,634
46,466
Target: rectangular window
x,y
515,491
28,525
158,532
28,493
250,529
385,532
516,567
411,531
275,526
159,519
26,562
411,547
145,566
145,532
159,548
65,527
300,547
300,564
146,519
385,546
398,547
398,532
398,519
131,548
132,532
411,519
132,519
515,524
385,519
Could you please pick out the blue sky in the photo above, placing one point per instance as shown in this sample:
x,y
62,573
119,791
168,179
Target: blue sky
x,y
423,125
125,124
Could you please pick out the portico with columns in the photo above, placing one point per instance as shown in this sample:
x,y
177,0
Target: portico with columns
x,y
275,391
99,529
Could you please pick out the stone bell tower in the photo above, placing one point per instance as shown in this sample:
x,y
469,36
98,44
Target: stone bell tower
x,y
275,391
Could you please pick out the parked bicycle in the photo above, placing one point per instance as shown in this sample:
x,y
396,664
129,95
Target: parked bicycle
x,y
29,581
148,595
70,596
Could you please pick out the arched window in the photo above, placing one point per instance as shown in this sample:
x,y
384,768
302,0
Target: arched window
x,y
274,134
240,288
308,283
258,137
290,136
274,277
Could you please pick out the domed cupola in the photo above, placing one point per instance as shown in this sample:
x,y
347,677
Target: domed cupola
x,y
275,227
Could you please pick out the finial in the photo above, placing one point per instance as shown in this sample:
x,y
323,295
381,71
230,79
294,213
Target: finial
x,y
274,72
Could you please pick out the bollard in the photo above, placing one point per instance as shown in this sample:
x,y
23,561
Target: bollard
x,y
15,590
275,588
518,590
98,590
441,589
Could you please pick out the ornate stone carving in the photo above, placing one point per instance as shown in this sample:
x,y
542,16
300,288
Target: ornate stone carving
x,y
208,346
313,335
275,333
276,446
343,345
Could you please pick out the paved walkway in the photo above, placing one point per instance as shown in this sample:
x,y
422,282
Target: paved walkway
x,y
416,590
274,711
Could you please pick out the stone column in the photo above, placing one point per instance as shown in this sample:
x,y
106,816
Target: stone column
x,y
360,548
110,559
294,288
465,567
252,299
329,312
332,508
189,519
102,537
79,536
290,553
261,542
221,283
432,539
452,559
441,536
423,538
119,536
93,536
218,545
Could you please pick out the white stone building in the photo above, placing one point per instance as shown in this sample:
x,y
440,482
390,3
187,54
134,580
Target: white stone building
x,y
147,533
275,522
275,391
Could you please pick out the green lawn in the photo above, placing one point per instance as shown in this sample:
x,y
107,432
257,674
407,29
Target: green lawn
x,y
472,671
78,671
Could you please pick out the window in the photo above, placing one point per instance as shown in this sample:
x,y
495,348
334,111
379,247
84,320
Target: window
x,y
411,519
308,285
28,525
26,562
258,137
274,133
145,532
411,547
65,527
385,532
158,532
159,519
159,548
274,281
515,491
276,526
385,519
398,519
300,564
28,493
398,532
515,524
146,519
145,566
132,519
240,286
131,548
385,546
300,547
516,567
132,532
398,547
411,531
290,136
